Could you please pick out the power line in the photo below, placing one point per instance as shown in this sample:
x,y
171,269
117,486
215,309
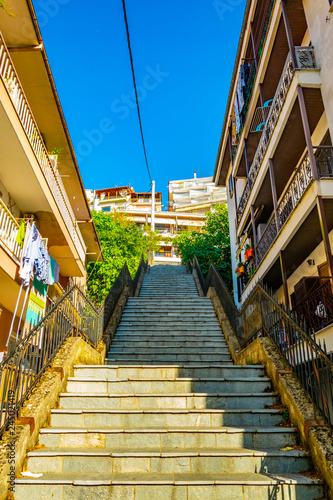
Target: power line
x,y
134,82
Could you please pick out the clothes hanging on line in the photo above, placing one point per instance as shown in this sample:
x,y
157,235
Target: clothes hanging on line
x,y
21,234
30,255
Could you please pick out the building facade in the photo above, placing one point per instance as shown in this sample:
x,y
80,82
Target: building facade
x,y
39,175
197,195
122,198
276,159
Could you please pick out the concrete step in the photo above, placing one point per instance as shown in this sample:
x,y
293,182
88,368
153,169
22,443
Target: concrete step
x,y
165,418
167,328
187,301
167,437
168,386
199,344
168,401
152,361
157,460
171,323
129,334
168,371
169,315
168,349
177,486
174,358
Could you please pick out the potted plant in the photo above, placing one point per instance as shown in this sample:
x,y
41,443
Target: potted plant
x,y
252,271
248,252
240,269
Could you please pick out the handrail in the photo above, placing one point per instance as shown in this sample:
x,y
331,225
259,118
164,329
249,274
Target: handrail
x,y
16,93
73,315
262,315
8,231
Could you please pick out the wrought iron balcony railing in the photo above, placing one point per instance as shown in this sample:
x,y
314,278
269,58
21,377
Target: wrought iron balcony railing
x,y
305,60
8,231
291,196
307,309
11,81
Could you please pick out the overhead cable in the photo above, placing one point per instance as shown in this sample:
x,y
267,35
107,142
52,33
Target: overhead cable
x,y
135,89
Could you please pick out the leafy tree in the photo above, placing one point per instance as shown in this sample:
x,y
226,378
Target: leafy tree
x,y
211,245
122,242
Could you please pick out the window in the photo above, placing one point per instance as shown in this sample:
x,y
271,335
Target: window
x,y
106,209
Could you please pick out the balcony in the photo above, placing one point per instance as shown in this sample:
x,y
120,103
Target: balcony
x,y
292,195
305,60
8,231
15,91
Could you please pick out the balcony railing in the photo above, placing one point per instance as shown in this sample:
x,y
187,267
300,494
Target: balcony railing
x,y
305,60
294,191
8,232
316,309
20,102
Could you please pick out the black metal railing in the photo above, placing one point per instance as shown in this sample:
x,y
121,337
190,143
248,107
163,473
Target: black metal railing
x,y
305,60
72,315
262,315
316,309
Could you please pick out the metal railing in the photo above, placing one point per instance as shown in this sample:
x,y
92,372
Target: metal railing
x,y
29,124
305,60
73,315
309,310
261,315
8,231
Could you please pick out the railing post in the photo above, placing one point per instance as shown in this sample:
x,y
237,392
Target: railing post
x,y
325,236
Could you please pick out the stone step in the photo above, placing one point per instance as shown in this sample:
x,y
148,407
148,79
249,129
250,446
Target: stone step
x,y
188,301
168,349
158,386
157,315
180,337
174,358
168,371
152,309
199,344
166,329
171,323
168,401
177,486
167,437
151,361
157,460
165,418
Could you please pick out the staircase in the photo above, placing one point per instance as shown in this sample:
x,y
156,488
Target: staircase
x,y
169,416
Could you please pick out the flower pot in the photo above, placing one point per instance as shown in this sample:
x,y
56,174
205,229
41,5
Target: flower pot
x,y
248,253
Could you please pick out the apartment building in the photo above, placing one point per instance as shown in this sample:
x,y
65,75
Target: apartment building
x,y
276,159
39,175
122,198
197,195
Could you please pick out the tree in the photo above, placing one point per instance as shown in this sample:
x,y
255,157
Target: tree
x,y
122,242
211,245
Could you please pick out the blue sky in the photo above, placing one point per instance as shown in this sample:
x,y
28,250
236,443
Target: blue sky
x,y
183,56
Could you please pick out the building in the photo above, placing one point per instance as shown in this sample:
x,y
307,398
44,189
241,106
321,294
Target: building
x,y
275,157
36,181
122,198
197,195
137,206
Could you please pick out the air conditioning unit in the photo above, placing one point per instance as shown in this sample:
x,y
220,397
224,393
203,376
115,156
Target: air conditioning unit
x,y
32,217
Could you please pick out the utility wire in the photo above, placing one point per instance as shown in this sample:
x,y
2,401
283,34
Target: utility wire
x,y
134,82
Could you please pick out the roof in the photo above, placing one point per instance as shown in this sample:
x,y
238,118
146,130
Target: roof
x,y
137,193
114,191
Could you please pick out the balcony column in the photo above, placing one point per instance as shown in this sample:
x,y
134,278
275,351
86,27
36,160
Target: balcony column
x,y
325,236
253,46
246,164
254,230
284,279
232,163
274,195
307,133
288,33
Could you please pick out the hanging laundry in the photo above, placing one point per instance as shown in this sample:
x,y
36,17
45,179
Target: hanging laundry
x,y
21,234
54,271
41,261
36,304
30,255
240,95
45,275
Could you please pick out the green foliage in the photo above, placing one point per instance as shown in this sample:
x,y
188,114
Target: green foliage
x,y
285,415
122,242
211,245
